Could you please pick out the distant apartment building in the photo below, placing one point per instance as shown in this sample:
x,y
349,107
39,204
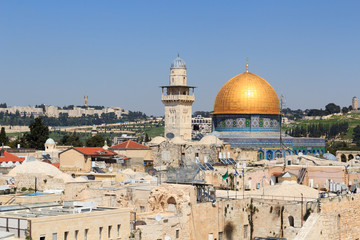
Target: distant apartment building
x,y
54,111
201,125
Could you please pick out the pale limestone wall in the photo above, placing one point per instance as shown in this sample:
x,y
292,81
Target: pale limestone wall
x,y
269,222
178,119
170,154
73,160
339,218
178,76
46,226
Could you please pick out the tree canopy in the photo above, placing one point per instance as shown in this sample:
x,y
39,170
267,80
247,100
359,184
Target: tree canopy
x,y
38,135
3,138
356,135
71,140
95,141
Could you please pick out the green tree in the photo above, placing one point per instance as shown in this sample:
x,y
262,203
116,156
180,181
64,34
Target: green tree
x,y
356,135
3,138
147,138
95,141
332,108
39,133
71,140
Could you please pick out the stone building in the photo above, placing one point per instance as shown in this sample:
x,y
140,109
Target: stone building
x,y
201,125
73,220
355,105
178,99
82,159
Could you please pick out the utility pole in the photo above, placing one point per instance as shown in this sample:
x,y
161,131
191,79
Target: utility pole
x,y
302,215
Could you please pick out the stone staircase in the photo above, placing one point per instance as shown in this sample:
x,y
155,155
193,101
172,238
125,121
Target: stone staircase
x,y
308,226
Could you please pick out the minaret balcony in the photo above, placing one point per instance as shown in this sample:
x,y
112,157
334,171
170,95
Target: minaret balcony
x,y
190,98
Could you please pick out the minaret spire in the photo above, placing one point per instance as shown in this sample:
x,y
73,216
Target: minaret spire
x,y
247,65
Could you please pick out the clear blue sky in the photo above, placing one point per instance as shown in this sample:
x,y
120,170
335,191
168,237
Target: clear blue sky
x,y
119,52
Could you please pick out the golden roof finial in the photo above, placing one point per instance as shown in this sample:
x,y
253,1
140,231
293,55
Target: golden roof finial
x,y
247,65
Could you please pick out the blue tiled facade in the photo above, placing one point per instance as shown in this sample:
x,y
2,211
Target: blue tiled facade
x,y
262,132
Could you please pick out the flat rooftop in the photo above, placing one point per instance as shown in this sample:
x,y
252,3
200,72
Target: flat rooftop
x,y
35,210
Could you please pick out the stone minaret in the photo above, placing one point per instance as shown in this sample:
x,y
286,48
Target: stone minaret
x,y
86,101
178,99
355,103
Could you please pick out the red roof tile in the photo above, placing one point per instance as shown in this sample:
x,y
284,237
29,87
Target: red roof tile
x,y
57,164
95,151
8,157
129,145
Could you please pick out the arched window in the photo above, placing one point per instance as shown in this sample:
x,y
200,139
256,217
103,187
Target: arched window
x,y
291,221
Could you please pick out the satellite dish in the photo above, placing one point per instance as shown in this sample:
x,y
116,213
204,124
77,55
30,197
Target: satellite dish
x,y
300,154
167,238
158,217
244,165
170,135
111,169
152,172
357,157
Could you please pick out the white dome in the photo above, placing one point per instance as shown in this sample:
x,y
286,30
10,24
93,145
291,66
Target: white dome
x,y
157,140
50,141
178,63
35,167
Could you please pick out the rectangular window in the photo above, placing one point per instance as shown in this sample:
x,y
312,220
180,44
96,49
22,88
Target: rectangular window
x,y
177,233
54,236
109,231
100,232
86,234
118,230
220,235
246,231
66,234
142,208
76,234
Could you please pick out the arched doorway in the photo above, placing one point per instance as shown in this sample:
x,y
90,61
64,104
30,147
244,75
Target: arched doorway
x,y
350,157
343,158
171,204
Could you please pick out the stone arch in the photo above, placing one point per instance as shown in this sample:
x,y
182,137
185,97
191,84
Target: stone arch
x,y
350,157
287,153
261,155
291,221
343,158
269,155
171,204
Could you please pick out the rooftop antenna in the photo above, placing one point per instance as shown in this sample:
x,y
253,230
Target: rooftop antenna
x,y
247,65
280,121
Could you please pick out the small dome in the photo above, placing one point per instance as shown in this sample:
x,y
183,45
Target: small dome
x,y
330,156
50,141
178,63
157,140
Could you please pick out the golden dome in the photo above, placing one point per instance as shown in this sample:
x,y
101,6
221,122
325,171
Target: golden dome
x,y
247,93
